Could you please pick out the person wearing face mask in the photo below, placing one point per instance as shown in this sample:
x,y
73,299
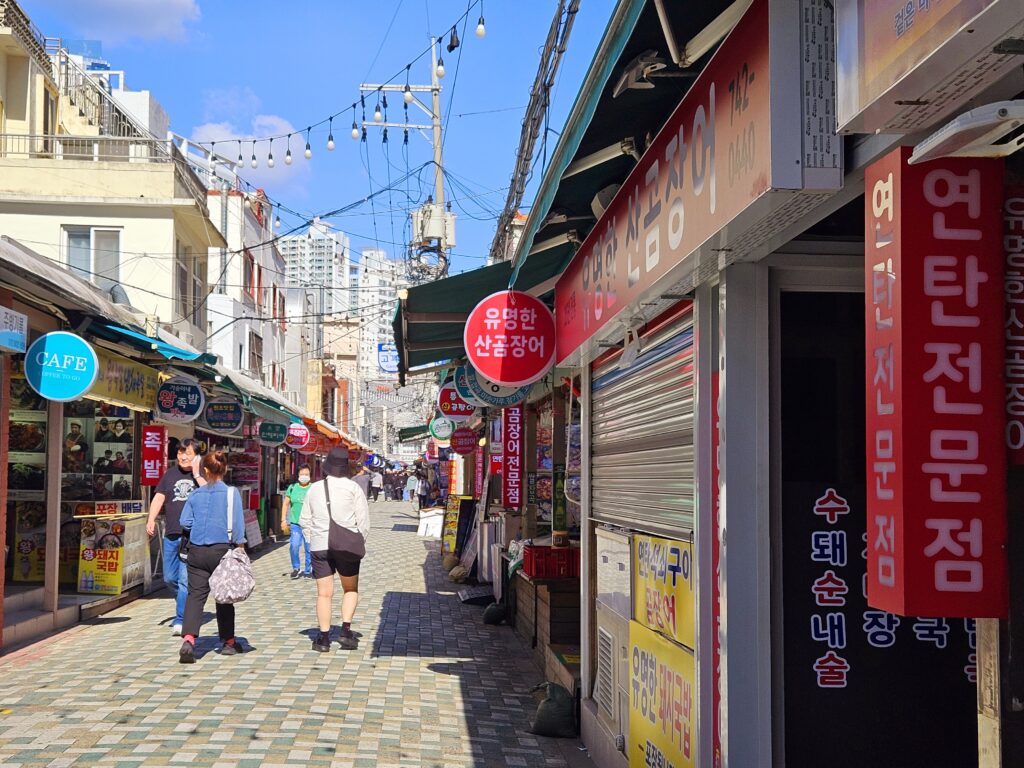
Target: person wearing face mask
x,y
291,509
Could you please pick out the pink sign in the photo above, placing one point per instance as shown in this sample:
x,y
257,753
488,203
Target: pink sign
x,y
463,441
512,463
298,436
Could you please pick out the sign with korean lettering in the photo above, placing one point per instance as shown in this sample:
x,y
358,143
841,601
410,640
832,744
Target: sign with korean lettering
x,y
463,441
662,701
13,330
451,405
387,356
512,431
154,454
850,670
497,395
179,401
935,401
663,595
298,436
710,161
271,433
478,474
441,427
223,416
101,557
510,338
124,382
1013,288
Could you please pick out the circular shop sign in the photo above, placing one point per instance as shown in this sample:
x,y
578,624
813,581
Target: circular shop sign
x,y
272,434
179,401
451,405
441,427
461,382
298,436
223,416
510,338
61,366
464,441
495,394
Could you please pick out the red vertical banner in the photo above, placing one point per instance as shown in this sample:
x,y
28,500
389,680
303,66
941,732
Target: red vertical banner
x,y
154,454
453,480
512,462
1013,287
936,461
478,474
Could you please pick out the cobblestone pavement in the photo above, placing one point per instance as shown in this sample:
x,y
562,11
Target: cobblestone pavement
x,y
430,684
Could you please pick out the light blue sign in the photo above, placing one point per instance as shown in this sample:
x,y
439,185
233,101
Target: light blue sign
x,y
387,356
13,330
494,394
61,366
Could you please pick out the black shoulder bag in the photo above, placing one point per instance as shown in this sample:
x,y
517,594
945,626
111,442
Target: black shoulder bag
x,y
340,538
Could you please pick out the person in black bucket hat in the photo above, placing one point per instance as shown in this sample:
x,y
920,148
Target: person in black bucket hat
x,y
336,521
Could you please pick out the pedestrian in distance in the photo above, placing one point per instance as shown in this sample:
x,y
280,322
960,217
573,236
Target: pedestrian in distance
x,y
291,510
362,479
205,516
336,519
376,484
410,488
423,491
171,494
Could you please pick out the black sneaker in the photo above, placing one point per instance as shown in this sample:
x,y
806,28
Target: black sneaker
x,y
322,643
295,573
229,650
349,642
187,653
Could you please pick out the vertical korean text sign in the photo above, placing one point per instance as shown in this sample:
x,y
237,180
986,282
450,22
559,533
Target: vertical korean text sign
x,y
512,466
154,454
936,463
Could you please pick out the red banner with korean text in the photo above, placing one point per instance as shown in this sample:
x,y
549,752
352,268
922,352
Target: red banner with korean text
x,y
478,474
154,454
936,460
1013,287
512,461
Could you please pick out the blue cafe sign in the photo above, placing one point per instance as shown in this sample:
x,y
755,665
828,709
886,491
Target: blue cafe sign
x,y
61,366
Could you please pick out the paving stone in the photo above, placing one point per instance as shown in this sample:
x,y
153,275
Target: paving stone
x,y
430,684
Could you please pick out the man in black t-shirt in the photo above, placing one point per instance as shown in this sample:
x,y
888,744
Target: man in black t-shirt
x,y
171,494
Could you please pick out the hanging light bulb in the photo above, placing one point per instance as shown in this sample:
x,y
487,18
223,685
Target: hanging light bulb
x,y
407,94
453,41
308,153
277,222
270,155
481,30
241,160
377,115
440,67
288,154
355,130
330,135
253,162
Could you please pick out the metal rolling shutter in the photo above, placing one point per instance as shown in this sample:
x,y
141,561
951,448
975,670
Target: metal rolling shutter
x,y
642,472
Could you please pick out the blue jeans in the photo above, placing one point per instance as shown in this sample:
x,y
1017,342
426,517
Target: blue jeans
x,y
176,577
297,541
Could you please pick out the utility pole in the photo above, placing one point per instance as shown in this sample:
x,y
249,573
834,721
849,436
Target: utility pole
x,y
433,230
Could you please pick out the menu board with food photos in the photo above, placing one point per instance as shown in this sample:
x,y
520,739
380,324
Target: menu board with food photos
x,y
545,462
98,452
26,478
111,555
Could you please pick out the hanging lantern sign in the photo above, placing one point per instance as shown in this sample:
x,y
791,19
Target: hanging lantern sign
x,y
61,366
461,382
441,427
271,434
451,405
510,338
494,394
298,436
223,416
179,401
464,441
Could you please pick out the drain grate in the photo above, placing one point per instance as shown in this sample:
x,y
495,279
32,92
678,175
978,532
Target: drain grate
x,y
401,527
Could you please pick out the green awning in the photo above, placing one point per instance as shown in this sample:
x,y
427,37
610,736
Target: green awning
x,y
428,325
409,434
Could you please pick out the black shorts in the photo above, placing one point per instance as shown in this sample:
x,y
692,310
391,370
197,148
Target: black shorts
x,y
327,562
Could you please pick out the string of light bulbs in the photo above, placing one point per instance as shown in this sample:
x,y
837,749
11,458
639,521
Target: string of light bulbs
x,y
357,133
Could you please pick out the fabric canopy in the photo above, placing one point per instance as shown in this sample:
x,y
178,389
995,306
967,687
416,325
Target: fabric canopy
x,y
409,434
148,343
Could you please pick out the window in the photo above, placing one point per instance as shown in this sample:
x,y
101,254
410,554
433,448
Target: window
x,y
248,274
94,254
189,285
199,290
256,355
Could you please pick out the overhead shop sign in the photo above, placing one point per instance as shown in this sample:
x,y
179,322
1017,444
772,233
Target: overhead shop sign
x,y
272,434
510,338
732,165
298,436
463,441
154,454
387,357
61,366
493,394
124,382
179,401
441,427
13,330
512,427
461,381
223,416
451,405
934,373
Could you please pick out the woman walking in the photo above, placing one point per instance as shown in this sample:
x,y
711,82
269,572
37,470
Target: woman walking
x,y
336,520
206,517
291,509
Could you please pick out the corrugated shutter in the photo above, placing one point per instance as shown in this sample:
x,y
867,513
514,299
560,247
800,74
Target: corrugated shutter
x,y
642,473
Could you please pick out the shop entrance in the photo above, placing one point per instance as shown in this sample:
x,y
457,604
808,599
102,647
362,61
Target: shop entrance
x,y
854,686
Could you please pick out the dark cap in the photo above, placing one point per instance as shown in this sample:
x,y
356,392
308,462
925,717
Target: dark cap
x,y
336,464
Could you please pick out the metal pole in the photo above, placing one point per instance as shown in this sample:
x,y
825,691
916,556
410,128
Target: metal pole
x,y
435,96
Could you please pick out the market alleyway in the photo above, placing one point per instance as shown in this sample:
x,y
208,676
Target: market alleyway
x,y
430,684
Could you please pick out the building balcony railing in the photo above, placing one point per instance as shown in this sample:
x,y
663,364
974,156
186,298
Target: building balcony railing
x,y
29,36
106,149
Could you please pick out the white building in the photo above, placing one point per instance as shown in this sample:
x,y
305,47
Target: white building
x,y
379,280
320,259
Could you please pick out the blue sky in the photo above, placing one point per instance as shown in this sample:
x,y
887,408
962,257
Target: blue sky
x,y
225,69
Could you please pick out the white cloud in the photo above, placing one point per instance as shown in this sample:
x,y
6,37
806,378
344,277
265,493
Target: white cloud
x,y
282,179
120,21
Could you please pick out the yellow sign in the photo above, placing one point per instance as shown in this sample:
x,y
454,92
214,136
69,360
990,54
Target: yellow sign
x,y
663,595
101,557
662,695
124,382
450,531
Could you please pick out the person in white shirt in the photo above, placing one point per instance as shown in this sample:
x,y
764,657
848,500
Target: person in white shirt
x,y
376,484
335,519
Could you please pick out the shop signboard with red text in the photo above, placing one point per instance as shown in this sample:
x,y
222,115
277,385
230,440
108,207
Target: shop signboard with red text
x,y
1013,288
510,338
936,456
512,431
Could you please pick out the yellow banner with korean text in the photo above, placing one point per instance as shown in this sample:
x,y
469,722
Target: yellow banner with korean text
x,y
124,382
662,701
663,588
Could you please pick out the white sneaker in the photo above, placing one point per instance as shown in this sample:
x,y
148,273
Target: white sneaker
x,y
176,630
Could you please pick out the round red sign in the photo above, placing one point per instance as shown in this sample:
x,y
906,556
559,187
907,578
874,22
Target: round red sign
x,y
463,441
298,436
451,404
510,338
